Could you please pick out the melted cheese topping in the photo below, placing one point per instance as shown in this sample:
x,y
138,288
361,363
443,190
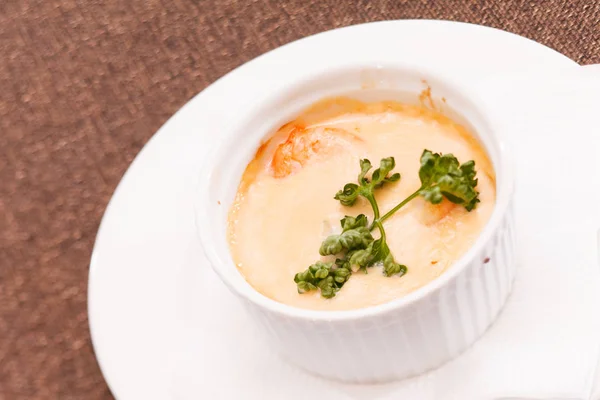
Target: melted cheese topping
x,y
284,207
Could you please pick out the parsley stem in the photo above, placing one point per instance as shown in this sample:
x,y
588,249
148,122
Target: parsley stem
x,y
381,230
376,214
399,206
375,207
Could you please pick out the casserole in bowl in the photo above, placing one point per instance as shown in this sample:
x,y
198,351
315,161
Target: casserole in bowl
x,y
398,337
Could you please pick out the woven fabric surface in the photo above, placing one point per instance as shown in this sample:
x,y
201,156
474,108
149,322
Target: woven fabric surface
x,y
84,84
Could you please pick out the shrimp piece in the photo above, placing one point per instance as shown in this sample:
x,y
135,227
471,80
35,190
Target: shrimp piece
x,y
303,144
431,214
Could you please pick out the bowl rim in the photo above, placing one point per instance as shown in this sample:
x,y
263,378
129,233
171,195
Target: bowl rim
x,y
504,178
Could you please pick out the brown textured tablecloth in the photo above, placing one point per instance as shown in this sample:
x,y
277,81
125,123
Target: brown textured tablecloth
x,y
84,84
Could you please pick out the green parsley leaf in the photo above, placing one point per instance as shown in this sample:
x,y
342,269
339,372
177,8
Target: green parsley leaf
x,y
349,222
351,239
380,177
365,166
351,191
361,259
442,176
321,275
348,195
390,267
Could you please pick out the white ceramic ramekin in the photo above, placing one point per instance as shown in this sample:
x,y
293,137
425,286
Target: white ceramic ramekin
x,y
398,339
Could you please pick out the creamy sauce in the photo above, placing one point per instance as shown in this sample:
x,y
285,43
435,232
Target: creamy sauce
x,y
284,207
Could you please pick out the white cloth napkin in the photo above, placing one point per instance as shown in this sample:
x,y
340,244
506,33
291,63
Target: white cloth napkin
x,y
546,342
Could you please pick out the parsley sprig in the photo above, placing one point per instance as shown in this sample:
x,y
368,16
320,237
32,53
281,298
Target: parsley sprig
x,y
355,248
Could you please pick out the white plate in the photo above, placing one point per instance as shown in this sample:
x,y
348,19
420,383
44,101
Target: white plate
x,y
147,275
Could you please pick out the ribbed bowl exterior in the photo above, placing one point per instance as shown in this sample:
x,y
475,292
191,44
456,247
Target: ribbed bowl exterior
x,y
410,339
